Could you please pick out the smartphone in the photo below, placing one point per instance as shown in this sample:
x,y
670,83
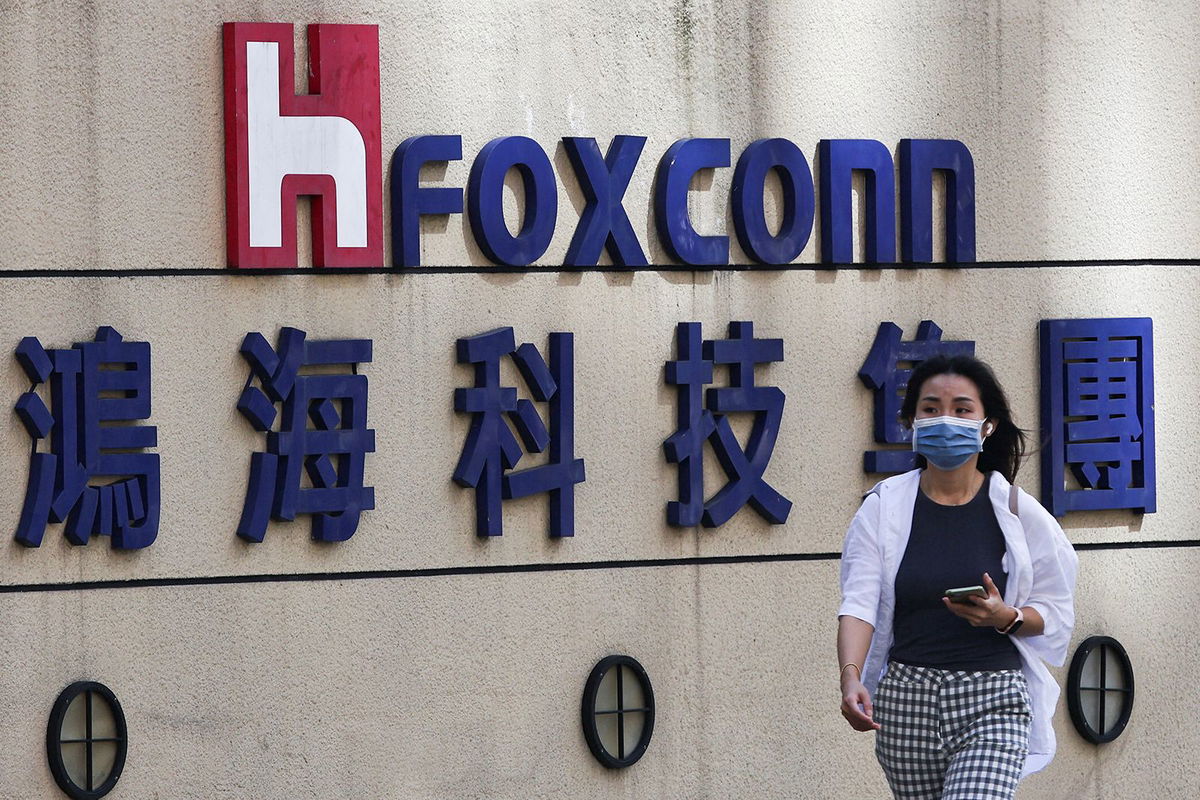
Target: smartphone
x,y
961,594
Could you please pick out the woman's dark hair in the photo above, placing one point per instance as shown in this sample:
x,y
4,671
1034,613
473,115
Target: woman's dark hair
x,y
1004,449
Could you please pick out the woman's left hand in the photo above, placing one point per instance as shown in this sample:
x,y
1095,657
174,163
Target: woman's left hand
x,y
991,612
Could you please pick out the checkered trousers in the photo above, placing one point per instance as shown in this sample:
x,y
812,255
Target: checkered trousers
x,y
950,734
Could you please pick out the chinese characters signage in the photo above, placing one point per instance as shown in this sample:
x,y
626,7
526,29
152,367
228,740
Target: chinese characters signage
x,y
885,371
322,430
95,470
744,467
491,450
93,386
1098,414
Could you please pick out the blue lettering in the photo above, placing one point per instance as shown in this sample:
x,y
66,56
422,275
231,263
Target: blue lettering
x,y
918,159
681,161
604,181
604,224
410,201
749,218
839,158
485,200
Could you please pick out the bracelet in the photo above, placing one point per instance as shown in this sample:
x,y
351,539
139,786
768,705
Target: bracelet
x,y
850,664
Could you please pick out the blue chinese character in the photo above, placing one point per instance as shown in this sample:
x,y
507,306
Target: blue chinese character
x,y
491,449
91,385
886,370
744,467
323,429
1098,413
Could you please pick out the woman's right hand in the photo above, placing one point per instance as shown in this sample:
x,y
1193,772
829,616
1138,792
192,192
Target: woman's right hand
x,y
856,704
853,642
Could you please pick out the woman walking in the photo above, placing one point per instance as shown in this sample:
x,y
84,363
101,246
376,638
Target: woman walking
x,y
955,683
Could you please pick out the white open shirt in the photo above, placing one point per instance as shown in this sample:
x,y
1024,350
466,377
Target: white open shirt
x,y
1040,564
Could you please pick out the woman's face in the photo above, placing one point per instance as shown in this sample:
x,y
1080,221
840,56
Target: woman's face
x,y
949,395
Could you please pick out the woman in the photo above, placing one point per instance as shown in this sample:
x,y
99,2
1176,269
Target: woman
x,y
962,699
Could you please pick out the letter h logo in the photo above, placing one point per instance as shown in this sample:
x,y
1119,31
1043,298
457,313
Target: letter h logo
x,y
279,145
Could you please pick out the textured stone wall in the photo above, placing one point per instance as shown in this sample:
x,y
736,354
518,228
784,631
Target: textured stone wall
x,y
1084,124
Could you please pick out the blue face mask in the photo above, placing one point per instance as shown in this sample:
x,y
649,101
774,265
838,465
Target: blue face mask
x,y
947,442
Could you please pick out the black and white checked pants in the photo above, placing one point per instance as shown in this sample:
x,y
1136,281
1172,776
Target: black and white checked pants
x,y
952,735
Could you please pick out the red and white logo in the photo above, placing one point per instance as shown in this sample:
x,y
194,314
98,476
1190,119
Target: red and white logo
x,y
279,145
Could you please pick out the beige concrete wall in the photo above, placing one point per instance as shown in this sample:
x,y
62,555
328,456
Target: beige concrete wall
x,y
1081,118
1084,128
469,686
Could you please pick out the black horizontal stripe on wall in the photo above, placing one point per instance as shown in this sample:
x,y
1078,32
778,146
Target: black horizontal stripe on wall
x,y
490,569
426,572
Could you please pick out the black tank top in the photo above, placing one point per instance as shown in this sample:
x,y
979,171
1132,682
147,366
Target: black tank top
x,y
950,546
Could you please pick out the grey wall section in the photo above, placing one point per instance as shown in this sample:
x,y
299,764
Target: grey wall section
x,y
1085,127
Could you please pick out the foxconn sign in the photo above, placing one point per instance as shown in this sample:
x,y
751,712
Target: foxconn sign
x,y
327,145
